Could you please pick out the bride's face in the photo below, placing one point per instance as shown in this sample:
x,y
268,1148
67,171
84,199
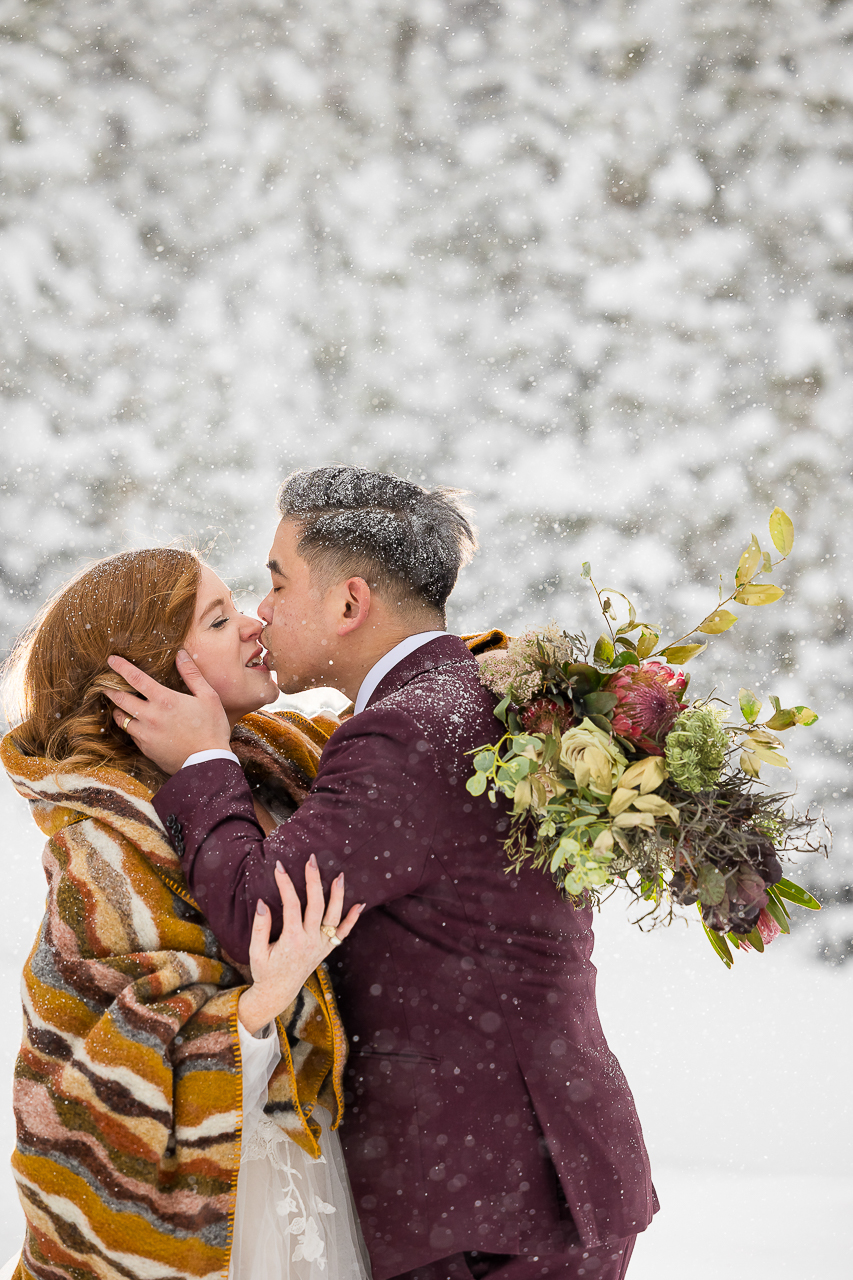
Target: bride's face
x,y
224,645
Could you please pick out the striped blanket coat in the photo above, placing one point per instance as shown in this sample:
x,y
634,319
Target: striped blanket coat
x,y
127,1089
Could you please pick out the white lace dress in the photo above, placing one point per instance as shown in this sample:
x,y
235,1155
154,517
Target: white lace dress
x,y
295,1218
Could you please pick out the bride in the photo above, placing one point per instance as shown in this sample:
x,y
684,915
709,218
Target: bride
x,y
174,1119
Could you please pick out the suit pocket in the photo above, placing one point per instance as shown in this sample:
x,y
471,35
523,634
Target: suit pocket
x,y
408,1056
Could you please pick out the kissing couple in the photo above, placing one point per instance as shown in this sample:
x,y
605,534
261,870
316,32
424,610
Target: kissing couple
x,y
222,880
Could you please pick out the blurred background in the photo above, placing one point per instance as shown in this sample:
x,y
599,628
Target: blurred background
x,y
590,260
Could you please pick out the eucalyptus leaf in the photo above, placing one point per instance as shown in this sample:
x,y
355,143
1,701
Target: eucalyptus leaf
x,y
600,702
601,722
582,676
712,885
483,761
476,784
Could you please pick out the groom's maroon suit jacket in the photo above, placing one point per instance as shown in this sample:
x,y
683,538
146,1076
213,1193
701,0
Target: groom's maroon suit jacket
x,y
482,1096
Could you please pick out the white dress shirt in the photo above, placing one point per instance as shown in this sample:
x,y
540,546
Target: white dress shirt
x,y
386,663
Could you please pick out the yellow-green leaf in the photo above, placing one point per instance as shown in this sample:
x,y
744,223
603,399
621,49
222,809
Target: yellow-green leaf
x,y
647,642
781,531
620,800
648,773
766,563
766,751
805,715
758,594
749,562
782,719
604,651
750,705
750,764
679,653
718,621
657,805
635,820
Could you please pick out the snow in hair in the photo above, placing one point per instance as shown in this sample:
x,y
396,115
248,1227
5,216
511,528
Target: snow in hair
x,y
399,534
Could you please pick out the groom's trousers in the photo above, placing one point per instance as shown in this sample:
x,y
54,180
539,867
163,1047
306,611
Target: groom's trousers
x,y
607,1262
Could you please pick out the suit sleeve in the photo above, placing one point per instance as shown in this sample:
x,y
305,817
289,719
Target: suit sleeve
x,y
371,813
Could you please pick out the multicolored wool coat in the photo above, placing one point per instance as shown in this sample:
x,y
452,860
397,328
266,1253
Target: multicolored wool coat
x,y
128,1086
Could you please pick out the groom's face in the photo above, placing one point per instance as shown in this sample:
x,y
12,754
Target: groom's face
x,y
300,632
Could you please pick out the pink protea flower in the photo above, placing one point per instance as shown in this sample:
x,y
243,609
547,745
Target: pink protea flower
x,y
766,926
648,703
543,716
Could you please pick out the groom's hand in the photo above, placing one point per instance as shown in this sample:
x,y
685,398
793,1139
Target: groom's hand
x,y
167,726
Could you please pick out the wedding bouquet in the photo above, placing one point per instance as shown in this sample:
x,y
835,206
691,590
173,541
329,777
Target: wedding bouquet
x,y
617,779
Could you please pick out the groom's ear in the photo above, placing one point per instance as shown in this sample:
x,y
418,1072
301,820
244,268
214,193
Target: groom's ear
x,y
354,605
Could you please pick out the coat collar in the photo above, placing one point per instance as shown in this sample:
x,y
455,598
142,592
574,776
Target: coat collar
x,y
441,652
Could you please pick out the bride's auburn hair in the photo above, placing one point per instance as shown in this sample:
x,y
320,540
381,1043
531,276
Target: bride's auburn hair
x,y
139,605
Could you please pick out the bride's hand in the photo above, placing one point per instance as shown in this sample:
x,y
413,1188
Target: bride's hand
x,y
279,970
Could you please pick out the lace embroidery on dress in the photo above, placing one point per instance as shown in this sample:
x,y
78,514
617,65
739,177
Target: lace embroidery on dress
x,y
267,1142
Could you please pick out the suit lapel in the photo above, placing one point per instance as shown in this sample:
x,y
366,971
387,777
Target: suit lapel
x,y
434,654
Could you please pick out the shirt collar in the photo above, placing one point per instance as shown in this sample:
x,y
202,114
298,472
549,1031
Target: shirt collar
x,y
388,662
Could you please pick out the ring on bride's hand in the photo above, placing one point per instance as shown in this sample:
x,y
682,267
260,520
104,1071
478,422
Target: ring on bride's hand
x,y
331,934
127,720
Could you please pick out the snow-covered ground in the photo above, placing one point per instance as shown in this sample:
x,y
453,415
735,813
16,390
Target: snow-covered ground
x,y
742,1080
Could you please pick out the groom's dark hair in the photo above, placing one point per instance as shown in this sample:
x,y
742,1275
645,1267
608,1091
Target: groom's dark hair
x,y
408,543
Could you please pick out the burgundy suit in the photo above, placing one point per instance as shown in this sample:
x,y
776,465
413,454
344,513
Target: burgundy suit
x,y
484,1105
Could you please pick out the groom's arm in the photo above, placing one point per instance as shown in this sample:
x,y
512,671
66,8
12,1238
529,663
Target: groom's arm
x,y
371,813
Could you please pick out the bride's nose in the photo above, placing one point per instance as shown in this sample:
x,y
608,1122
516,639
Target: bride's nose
x,y
250,628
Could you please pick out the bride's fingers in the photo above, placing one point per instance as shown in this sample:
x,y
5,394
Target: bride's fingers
x,y
349,921
336,902
291,908
315,899
259,942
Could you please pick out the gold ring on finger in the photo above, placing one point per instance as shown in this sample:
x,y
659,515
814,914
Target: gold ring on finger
x,y
331,933
127,720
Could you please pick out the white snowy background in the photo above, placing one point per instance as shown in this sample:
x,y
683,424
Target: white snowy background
x,y
591,260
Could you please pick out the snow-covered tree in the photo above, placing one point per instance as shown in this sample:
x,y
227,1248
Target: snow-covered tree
x,y
592,260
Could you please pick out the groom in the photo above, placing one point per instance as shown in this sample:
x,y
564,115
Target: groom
x,y
489,1130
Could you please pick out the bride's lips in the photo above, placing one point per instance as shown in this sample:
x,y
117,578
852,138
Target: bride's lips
x,y
253,664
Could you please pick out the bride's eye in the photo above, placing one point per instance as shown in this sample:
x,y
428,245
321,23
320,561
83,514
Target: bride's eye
x,y
220,622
